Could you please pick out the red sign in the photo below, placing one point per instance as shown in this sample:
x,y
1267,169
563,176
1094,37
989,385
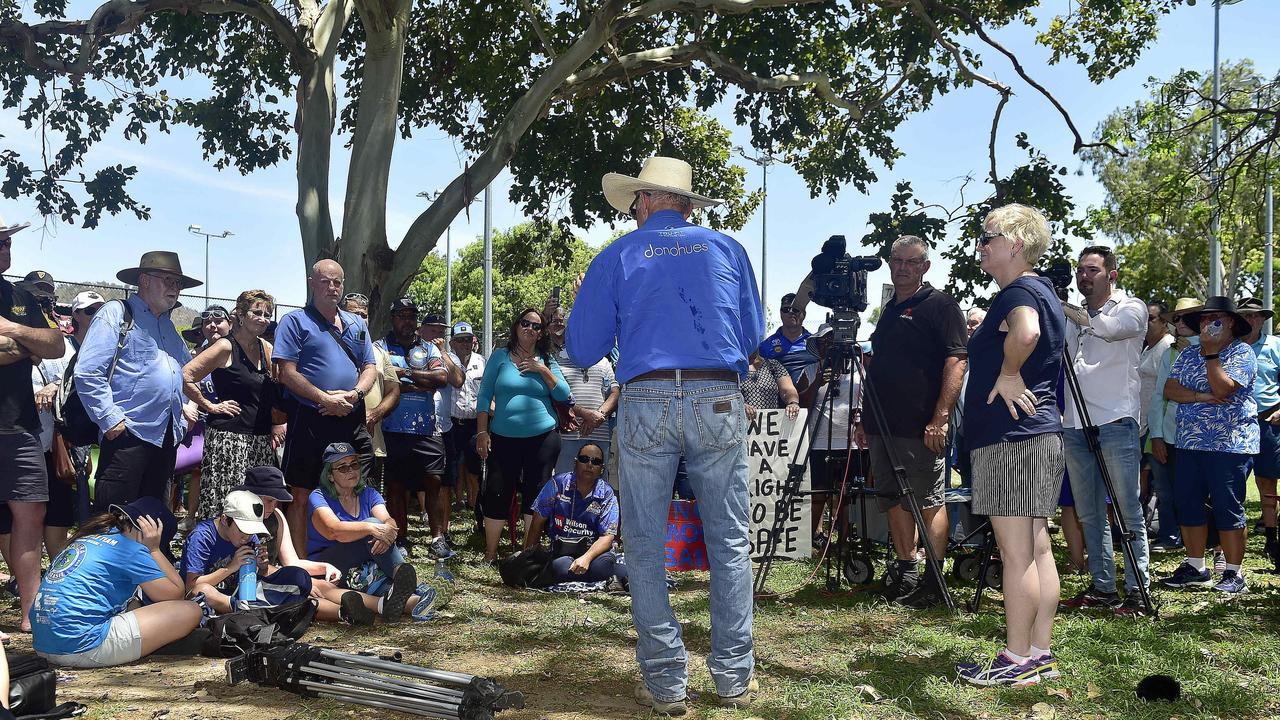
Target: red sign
x,y
685,548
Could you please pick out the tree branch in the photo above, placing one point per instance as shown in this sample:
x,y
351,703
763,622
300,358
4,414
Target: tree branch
x,y
121,17
597,77
978,30
918,9
991,145
536,21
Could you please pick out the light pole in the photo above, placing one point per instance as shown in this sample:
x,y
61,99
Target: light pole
x,y
764,160
195,230
1215,223
448,260
488,272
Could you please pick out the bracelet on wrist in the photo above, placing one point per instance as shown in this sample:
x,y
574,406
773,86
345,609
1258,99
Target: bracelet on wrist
x,y
481,432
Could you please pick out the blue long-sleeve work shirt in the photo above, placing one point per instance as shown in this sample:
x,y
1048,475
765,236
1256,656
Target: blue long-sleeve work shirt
x,y
146,389
672,295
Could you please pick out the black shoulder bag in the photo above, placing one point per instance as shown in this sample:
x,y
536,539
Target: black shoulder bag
x,y
70,417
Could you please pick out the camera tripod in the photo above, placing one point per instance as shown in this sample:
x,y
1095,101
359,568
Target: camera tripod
x,y
1092,435
379,682
842,360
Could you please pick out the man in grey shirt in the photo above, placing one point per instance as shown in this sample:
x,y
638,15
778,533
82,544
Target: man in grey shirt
x,y
595,395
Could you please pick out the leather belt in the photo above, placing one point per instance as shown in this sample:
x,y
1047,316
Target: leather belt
x,y
726,375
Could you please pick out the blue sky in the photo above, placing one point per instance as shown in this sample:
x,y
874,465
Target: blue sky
x,y
941,147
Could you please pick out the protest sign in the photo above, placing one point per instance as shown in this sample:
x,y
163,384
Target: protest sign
x,y
772,442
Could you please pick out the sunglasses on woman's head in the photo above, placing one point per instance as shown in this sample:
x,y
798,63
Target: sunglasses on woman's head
x,y
530,324
357,297
588,460
213,315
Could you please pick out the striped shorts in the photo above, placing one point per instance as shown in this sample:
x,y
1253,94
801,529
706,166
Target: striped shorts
x,y
1018,479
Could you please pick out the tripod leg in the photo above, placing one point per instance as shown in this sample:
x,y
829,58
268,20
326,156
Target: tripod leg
x,y
988,546
933,563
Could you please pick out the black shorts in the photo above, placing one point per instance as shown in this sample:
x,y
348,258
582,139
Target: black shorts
x,y
24,478
310,433
460,444
411,458
60,511
826,467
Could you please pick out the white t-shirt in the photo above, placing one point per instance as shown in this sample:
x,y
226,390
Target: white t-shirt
x,y
848,388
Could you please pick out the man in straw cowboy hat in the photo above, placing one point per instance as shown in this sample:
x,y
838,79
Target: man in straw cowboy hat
x,y
1266,391
26,335
681,303
134,393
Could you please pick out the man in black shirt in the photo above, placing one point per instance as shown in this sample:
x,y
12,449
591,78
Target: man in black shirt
x,y
26,334
920,357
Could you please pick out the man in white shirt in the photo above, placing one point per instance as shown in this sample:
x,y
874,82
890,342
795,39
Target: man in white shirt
x,y
460,405
1104,340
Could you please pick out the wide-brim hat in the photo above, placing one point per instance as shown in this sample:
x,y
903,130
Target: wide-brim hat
x,y
7,229
1222,304
1253,306
658,173
157,261
1181,307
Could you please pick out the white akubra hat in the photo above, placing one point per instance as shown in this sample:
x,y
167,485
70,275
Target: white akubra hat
x,y
7,229
659,173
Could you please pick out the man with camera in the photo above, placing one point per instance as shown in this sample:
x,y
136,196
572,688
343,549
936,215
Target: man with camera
x,y
1104,340
920,355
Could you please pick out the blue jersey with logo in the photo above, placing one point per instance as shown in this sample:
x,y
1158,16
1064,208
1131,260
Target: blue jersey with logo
x,y
794,356
87,585
571,516
205,551
416,412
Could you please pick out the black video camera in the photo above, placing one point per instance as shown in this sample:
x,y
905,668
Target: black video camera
x,y
1060,276
839,279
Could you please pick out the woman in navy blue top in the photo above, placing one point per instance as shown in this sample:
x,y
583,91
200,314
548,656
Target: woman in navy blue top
x,y
580,514
1014,435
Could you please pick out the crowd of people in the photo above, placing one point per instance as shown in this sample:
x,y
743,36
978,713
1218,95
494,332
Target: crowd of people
x,y
309,441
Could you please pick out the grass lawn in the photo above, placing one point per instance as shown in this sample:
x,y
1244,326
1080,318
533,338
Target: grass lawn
x,y
819,655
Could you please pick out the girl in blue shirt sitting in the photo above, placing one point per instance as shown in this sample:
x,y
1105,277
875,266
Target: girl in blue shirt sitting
x,y
79,617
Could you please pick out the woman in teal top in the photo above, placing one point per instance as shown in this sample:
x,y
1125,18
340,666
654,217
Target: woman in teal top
x,y
520,383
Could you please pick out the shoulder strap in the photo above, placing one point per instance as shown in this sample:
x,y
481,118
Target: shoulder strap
x,y
126,324
333,333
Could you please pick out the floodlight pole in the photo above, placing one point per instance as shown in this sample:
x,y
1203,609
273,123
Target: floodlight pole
x,y
197,230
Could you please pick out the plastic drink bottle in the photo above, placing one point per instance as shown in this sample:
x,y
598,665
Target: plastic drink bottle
x,y
1215,329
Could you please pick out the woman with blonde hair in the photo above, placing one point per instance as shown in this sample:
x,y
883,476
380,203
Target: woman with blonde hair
x,y
1013,431
238,431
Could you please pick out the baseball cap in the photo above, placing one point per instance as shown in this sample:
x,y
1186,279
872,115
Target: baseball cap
x,y
788,299
337,451
265,481
434,319
86,299
463,328
245,508
38,283
404,303
154,508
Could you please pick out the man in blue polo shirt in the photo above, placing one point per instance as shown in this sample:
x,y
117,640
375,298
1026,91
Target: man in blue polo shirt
x,y
787,345
682,305
325,360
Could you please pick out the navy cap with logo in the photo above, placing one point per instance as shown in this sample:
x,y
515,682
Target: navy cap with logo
x,y
434,319
337,451
404,303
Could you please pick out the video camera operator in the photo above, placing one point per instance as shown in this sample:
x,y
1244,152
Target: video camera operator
x,y
1104,341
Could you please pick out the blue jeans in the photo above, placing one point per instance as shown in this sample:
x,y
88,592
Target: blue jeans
x,y
704,420
1162,485
352,554
1121,453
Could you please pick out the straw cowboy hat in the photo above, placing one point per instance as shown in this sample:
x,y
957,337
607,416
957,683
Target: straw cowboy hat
x,y
1181,307
7,229
157,261
662,174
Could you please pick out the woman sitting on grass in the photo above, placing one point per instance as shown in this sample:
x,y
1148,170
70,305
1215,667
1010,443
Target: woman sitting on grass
x,y
335,603
583,515
79,617
349,526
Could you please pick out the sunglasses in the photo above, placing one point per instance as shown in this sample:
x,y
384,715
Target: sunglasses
x,y
213,315
169,279
985,238
632,210
355,296
347,467
530,324
790,311
89,311
259,313
588,460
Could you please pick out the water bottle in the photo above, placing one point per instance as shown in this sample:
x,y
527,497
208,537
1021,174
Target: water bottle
x,y
248,590
1215,329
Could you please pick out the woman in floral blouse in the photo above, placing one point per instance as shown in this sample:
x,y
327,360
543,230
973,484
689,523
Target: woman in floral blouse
x,y
1217,439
